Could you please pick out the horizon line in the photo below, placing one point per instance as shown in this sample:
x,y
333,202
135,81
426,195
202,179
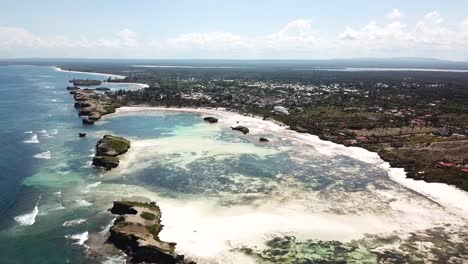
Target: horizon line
x,y
243,59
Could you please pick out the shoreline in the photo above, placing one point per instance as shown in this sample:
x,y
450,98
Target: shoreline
x,y
93,73
446,195
141,85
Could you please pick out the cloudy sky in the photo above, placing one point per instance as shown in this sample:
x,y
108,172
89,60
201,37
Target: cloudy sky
x,y
234,29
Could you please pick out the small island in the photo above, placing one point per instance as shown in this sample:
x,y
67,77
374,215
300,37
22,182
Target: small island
x,y
86,82
107,150
136,232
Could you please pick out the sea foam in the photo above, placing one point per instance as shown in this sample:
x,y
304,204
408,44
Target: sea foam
x,y
79,238
74,222
32,140
82,203
43,155
29,218
91,186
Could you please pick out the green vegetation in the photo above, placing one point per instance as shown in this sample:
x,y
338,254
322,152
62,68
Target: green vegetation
x,y
108,159
123,224
148,216
154,230
448,175
109,109
118,143
151,206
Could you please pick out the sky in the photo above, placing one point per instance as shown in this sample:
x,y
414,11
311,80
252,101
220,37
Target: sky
x,y
234,29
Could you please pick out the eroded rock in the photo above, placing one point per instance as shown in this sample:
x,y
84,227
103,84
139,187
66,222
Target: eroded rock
x,y
242,129
136,232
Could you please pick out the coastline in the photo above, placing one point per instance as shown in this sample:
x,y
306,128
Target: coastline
x,y
93,73
446,195
141,85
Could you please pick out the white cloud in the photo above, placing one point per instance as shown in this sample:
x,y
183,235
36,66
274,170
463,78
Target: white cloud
x,y
372,33
127,38
299,38
297,34
207,41
395,14
123,38
434,17
465,24
428,37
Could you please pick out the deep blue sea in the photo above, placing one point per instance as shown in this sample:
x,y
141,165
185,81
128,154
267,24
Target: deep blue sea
x,y
38,135
223,195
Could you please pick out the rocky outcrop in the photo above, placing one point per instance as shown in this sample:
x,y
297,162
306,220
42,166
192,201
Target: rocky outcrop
x,y
211,119
80,96
107,150
82,134
86,82
242,129
112,146
263,139
93,105
106,162
122,207
136,232
103,89
82,104
87,121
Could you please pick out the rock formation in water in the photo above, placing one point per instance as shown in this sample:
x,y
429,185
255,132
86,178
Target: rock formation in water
x,y
82,82
136,232
211,119
92,105
107,150
102,89
242,129
73,88
263,139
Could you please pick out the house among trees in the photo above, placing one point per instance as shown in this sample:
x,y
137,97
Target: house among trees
x,y
442,164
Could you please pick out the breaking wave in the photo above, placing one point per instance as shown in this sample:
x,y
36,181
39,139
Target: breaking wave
x,y
91,186
29,218
82,203
32,140
79,238
43,155
74,222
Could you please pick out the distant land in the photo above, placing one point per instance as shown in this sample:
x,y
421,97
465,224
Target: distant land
x,y
418,63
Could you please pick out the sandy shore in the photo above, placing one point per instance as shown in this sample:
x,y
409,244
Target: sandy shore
x,y
141,85
448,196
93,73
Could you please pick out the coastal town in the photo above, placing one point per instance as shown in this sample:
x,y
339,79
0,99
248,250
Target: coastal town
x,y
418,123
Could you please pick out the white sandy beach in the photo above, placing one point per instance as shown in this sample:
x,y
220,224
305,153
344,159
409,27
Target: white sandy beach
x,y
93,73
141,85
